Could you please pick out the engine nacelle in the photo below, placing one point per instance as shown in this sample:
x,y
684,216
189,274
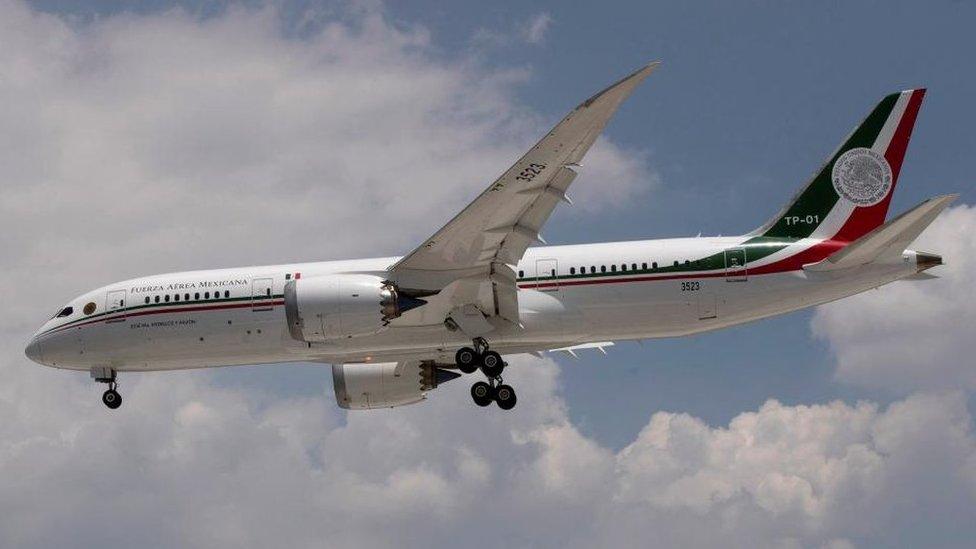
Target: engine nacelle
x,y
386,385
331,307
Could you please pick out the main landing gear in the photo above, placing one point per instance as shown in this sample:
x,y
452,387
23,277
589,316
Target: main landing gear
x,y
469,359
110,397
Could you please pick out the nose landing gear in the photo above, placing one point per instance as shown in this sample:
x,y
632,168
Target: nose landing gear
x,y
110,397
483,393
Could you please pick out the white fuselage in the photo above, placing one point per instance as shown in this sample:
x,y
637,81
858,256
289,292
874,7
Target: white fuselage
x,y
236,316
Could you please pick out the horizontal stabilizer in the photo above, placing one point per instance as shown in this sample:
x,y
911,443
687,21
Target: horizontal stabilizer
x,y
888,240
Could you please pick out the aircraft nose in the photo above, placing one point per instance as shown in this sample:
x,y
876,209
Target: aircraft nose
x,y
34,351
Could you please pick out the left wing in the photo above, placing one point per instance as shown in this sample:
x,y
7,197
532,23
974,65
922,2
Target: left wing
x,y
494,231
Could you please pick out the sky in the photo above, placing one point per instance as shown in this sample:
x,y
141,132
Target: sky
x,y
138,138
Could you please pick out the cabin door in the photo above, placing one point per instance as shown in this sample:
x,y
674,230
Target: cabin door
x,y
261,298
115,303
735,265
546,275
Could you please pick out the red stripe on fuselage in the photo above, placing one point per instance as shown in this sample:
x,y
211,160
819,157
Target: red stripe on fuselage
x,y
795,262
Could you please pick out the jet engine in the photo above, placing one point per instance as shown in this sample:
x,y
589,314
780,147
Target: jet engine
x,y
332,307
370,386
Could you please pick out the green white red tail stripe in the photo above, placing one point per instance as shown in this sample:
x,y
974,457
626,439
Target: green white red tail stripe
x,y
818,210
820,220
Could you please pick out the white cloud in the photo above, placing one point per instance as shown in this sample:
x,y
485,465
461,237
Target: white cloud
x,y
532,31
536,28
186,463
912,334
139,144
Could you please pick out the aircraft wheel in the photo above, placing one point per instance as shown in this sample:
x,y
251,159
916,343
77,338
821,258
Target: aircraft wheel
x,y
481,393
505,397
492,364
112,399
467,360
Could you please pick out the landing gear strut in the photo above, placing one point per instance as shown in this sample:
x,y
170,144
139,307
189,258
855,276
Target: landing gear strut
x,y
469,359
110,397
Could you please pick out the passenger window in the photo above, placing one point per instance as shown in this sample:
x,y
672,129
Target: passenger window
x,y
592,269
654,265
166,298
147,299
157,299
687,263
186,297
206,295
521,274
603,268
613,268
226,293
633,266
176,297
196,296
676,263
623,266
572,270
644,266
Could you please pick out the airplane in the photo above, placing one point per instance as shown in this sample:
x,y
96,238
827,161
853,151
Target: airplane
x,y
480,288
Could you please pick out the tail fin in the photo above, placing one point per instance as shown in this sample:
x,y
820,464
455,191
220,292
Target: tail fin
x,y
849,196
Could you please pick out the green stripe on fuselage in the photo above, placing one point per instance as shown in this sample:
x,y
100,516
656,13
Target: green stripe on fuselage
x,y
756,249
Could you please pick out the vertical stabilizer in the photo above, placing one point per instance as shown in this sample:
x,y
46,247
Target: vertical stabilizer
x,y
849,196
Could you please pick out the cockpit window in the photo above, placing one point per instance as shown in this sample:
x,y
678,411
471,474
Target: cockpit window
x,y
64,312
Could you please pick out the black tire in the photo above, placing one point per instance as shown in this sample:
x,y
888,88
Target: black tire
x,y
482,394
112,399
505,397
492,364
467,360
